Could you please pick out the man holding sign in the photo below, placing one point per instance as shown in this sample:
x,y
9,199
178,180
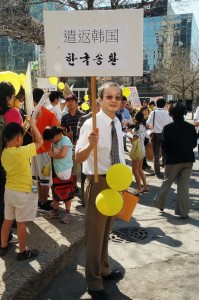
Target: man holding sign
x,y
98,226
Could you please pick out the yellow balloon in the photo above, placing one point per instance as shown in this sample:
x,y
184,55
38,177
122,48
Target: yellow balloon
x,y
119,177
86,98
126,92
13,78
85,106
109,202
46,170
53,80
22,78
61,85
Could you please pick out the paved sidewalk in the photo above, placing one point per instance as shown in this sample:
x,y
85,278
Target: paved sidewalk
x,y
169,239
161,263
57,244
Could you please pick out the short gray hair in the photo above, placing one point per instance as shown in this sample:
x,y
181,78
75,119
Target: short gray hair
x,y
105,86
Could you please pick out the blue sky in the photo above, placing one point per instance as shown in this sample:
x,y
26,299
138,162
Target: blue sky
x,y
191,7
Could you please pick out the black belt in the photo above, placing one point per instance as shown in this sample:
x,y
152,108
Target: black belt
x,y
104,175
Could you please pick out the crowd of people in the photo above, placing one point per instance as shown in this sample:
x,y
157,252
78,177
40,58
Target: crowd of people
x,y
66,140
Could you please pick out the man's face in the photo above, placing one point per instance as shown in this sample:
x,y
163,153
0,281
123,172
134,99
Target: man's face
x,y
56,101
111,101
71,104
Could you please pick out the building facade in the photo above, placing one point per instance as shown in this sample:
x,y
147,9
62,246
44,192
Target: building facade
x,y
163,32
162,36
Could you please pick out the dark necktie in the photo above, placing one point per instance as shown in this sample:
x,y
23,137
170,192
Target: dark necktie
x,y
114,147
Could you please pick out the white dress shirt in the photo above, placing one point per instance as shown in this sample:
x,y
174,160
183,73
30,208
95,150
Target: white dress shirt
x,y
57,111
196,115
103,123
162,118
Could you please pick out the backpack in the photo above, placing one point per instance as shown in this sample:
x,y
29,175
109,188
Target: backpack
x,y
2,129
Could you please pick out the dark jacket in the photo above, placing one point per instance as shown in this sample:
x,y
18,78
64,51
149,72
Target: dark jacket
x,y
179,140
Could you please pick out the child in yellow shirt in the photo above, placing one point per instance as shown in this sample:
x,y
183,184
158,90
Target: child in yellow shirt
x,y
20,201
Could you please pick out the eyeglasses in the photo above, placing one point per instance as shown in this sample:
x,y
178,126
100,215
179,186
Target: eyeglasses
x,y
21,100
110,97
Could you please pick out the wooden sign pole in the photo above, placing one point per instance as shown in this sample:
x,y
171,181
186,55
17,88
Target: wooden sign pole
x,y
93,104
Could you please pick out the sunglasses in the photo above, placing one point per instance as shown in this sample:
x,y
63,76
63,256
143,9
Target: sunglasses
x,y
20,100
110,97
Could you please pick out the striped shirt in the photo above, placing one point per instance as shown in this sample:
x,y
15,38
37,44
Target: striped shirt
x,y
70,122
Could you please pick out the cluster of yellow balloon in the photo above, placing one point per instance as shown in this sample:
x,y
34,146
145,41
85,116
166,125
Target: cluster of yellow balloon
x,y
11,77
85,105
109,202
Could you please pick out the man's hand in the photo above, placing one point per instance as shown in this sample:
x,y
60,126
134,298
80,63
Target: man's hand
x,y
93,138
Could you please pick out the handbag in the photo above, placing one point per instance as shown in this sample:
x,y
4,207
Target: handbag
x,y
62,190
130,202
136,150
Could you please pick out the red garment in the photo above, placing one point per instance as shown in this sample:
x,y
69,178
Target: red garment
x,y
46,118
12,115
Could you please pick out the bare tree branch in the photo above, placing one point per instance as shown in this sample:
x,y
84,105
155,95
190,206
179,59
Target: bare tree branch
x,y
17,22
178,74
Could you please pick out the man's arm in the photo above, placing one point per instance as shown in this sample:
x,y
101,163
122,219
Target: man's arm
x,y
36,134
149,122
82,154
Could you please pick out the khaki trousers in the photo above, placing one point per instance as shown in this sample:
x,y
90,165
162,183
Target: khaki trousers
x,y
181,173
97,229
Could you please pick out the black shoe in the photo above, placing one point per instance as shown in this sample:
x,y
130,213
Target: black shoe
x,y
99,295
46,206
146,167
160,176
184,217
27,254
5,250
114,275
76,190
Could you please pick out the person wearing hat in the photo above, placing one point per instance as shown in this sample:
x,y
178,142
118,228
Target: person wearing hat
x,y
69,123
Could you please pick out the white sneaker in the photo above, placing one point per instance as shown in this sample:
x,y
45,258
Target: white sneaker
x,y
66,218
14,239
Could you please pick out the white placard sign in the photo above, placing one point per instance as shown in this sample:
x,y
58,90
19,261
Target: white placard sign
x,y
28,91
134,97
94,43
44,84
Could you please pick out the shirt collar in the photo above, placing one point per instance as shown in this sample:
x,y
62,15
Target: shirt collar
x,y
106,118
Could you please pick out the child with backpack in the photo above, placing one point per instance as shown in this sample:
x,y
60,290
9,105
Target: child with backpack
x,y
62,163
20,201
